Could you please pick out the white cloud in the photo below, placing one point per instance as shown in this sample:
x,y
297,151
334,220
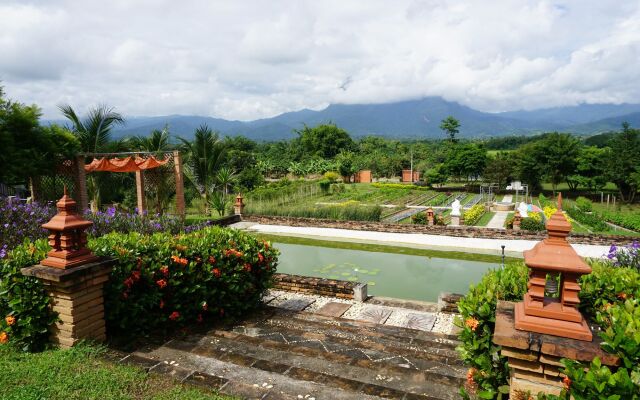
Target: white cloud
x,y
254,59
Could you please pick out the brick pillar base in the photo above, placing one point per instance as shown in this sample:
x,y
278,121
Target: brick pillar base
x,y
534,358
77,296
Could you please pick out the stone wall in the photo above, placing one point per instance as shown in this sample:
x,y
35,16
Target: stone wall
x,y
319,286
457,231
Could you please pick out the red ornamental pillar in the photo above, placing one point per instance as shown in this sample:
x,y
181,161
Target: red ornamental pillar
x,y
551,304
430,216
238,207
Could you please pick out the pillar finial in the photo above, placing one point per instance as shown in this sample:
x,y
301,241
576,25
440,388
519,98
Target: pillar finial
x,y
560,201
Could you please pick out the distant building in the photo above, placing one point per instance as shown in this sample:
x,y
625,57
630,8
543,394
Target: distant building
x,y
406,176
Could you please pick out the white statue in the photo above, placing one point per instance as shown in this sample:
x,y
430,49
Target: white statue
x,y
523,210
455,208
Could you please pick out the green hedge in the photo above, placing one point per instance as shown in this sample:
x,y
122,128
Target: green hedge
x,y
592,220
610,296
160,281
629,221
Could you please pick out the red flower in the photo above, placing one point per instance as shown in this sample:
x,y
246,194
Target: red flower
x,y
164,270
161,304
174,316
247,267
205,306
179,260
216,272
161,283
10,320
4,338
212,260
135,275
199,319
266,244
567,382
622,296
260,258
233,252
129,282
472,323
139,262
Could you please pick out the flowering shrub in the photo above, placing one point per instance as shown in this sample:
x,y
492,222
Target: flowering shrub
x,y
25,315
165,281
472,215
20,221
488,373
118,221
627,256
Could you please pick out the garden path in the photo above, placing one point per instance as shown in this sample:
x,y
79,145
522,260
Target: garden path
x,y
513,248
309,347
498,220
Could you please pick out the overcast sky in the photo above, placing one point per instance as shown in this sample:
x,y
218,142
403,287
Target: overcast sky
x,y
254,59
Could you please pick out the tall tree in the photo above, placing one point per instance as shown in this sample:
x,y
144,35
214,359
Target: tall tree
x,y
624,162
204,155
324,141
499,169
451,128
559,157
157,142
94,134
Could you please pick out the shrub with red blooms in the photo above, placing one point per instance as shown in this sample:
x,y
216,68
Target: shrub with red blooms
x,y
165,281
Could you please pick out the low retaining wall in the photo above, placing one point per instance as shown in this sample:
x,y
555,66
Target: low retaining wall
x,y
324,287
457,231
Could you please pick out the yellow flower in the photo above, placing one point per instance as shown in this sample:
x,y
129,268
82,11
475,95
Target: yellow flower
x,y
4,338
10,320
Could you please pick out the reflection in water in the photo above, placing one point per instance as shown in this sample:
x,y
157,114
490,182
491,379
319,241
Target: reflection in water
x,y
388,274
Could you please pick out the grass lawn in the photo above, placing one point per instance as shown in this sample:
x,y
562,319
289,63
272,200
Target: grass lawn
x,y
80,373
486,217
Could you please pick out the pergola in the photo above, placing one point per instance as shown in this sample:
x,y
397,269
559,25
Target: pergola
x,y
137,162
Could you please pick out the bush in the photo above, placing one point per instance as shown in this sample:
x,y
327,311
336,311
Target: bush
x,y
591,220
325,185
405,186
531,224
331,176
584,204
629,221
163,281
610,295
25,315
20,221
472,215
160,281
124,222
488,371
420,218
347,211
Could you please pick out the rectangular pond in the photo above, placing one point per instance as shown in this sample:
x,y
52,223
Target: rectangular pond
x,y
390,274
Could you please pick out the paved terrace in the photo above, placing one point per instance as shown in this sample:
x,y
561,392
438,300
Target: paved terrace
x,y
513,248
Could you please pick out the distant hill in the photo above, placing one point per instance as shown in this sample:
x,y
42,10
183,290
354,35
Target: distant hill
x,y
406,119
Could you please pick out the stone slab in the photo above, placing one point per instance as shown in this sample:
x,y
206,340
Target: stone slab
x,y
377,315
333,309
419,321
296,304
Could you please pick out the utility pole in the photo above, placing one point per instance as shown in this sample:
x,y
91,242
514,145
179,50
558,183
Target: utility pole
x,y
411,152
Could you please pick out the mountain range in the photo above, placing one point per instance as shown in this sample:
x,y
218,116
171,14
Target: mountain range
x,y
405,119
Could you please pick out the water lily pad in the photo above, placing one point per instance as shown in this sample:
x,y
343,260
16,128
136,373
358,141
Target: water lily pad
x,y
345,273
374,273
333,277
352,278
371,283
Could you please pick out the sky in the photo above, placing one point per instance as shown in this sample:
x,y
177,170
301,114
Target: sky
x,y
253,59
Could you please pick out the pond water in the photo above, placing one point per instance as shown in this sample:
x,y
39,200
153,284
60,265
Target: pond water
x,y
387,274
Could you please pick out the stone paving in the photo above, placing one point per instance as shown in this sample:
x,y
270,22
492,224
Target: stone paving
x,y
315,347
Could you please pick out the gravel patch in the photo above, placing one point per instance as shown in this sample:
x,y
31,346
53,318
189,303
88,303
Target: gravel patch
x,y
444,323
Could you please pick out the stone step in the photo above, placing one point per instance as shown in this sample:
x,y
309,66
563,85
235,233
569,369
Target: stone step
x,y
354,373
318,347
233,379
372,330
297,331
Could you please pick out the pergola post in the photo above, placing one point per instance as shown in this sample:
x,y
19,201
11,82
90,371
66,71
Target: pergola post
x,y
80,177
140,192
177,162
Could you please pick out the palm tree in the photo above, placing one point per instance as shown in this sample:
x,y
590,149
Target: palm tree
x,y
94,131
224,178
157,143
204,155
94,135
